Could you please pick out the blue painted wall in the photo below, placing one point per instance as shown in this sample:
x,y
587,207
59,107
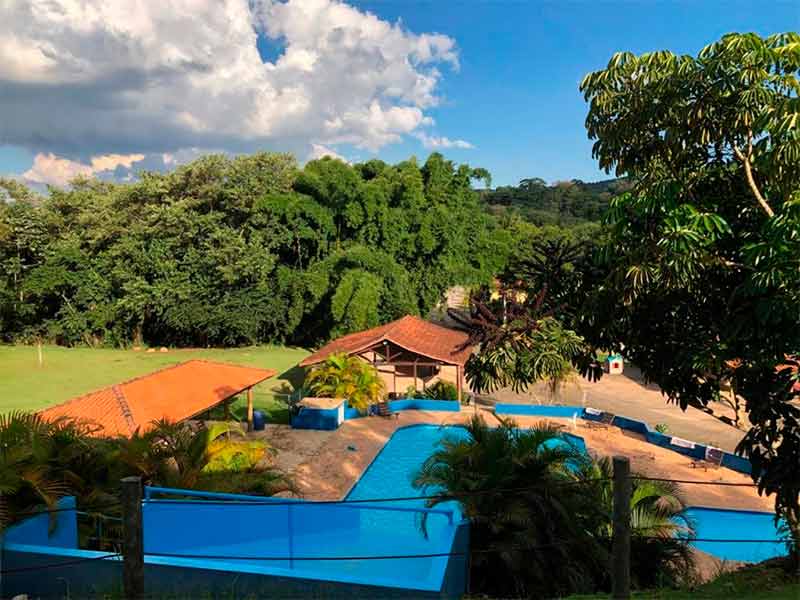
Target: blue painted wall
x,y
729,460
40,529
316,418
326,420
425,404
171,578
250,548
566,412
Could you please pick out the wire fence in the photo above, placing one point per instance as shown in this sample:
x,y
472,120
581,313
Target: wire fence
x,y
92,511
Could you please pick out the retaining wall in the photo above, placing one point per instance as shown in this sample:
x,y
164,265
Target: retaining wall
x,y
729,460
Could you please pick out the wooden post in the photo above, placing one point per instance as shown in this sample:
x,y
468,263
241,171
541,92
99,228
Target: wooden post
x,y
458,383
249,409
227,406
621,541
415,375
133,538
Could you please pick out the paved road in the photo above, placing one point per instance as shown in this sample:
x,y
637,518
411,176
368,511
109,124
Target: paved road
x,y
628,395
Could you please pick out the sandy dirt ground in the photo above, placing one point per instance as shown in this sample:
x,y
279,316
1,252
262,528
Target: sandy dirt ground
x,y
630,396
294,446
326,465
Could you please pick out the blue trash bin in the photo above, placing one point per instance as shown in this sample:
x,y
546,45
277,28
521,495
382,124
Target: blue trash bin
x,y
259,420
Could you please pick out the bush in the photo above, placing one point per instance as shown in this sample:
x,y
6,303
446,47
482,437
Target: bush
x,y
552,536
441,390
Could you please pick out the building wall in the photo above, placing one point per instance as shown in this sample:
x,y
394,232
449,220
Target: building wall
x,y
400,382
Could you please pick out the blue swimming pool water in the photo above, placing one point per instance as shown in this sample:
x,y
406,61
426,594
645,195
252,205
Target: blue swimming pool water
x,y
714,523
392,472
306,530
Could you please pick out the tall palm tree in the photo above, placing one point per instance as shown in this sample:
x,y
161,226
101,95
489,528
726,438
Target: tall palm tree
x,y
516,488
659,524
349,377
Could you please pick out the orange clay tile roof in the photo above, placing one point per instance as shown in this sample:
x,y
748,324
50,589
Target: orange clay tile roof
x,y
412,333
174,393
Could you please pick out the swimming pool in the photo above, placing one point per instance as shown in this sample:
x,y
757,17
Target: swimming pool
x,y
725,524
392,471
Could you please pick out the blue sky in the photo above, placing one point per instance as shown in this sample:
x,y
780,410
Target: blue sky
x,y
514,96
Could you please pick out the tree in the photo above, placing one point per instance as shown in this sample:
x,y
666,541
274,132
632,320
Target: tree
x,y
660,524
703,259
540,513
174,455
538,546
26,480
42,461
519,343
348,377
244,250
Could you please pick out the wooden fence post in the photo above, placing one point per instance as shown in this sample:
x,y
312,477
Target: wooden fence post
x,y
250,409
621,541
133,538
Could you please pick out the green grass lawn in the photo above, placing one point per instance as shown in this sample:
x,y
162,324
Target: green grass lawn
x,y
765,581
69,372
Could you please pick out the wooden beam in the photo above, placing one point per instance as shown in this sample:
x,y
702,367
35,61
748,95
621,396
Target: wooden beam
x,y
410,363
249,409
415,376
458,382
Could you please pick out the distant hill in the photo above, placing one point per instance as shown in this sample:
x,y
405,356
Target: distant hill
x,y
563,203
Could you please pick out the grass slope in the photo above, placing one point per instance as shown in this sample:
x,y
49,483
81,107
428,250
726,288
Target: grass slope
x,y
70,372
764,581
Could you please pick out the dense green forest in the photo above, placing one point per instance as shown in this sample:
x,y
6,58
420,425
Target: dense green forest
x,y
565,203
227,251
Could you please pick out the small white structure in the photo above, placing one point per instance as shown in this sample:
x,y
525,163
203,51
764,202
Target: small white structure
x,y
614,364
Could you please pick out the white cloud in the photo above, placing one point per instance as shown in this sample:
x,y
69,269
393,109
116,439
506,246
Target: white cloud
x,y
51,169
319,151
94,78
435,143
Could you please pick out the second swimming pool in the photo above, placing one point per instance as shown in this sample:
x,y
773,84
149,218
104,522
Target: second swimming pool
x,y
391,474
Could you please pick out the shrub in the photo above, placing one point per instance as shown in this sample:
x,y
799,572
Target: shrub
x,y
551,537
349,377
441,390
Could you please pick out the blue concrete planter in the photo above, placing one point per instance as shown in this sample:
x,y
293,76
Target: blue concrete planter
x,y
729,460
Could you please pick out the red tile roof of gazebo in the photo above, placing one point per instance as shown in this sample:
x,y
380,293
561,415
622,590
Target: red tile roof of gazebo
x,y
174,393
412,333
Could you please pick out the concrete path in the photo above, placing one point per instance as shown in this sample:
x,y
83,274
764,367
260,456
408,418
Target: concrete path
x,y
343,456
628,395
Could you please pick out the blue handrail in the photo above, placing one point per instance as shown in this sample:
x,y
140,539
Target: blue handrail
x,y
233,498
150,490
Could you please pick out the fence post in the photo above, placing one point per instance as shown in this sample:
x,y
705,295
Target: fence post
x,y
133,538
621,541
290,523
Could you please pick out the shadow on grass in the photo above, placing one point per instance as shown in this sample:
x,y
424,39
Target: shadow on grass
x,y
294,375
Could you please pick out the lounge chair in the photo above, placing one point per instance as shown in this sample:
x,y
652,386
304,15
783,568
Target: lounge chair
x,y
605,420
383,409
713,459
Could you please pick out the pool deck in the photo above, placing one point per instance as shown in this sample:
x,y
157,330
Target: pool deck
x,y
336,464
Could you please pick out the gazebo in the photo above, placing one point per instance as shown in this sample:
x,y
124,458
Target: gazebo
x,y
406,352
175,393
